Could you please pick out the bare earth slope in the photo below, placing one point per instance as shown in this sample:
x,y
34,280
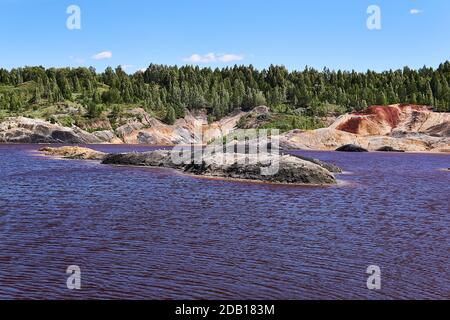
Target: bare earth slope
x,y
26,130
402,127
191,129
147,130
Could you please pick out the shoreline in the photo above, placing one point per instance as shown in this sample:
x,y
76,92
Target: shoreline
x,y
186,145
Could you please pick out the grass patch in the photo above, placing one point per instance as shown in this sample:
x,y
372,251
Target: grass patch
x,y
66,121
286,123
280,121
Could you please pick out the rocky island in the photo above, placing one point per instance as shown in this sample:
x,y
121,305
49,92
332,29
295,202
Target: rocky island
x,y
289,169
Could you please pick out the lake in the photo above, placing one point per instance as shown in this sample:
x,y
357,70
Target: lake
x,y
151,233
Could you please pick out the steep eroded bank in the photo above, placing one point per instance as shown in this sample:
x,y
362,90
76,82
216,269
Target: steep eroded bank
x,y
400,127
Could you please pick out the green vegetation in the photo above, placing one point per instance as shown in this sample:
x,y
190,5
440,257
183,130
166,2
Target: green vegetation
x,y
66,121
297,98
286,123
281,121
170,116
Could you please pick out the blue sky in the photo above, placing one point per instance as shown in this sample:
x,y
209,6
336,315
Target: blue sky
x,y
294,33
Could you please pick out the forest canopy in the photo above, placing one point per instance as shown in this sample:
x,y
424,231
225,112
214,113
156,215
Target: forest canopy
x,y
170,90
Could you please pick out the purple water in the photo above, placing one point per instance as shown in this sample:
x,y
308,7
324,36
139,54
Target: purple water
x,y
157,234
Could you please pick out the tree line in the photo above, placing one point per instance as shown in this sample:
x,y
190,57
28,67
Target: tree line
x,y
171,89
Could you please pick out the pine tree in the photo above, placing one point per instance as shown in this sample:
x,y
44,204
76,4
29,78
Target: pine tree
x,y
381,99
363,105
96,97
238,93
66,90
93,110
36,96
14,102
429,98
259,99
115,114
445,96
4,102
170,116
436,85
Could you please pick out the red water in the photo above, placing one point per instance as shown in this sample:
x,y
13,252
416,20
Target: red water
x,y
156,234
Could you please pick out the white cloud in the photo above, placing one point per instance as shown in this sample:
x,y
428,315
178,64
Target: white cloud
x,y
196,58
102,55
415,11
213,57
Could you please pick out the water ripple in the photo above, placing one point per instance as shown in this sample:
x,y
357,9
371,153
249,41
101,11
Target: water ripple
x,y
151,233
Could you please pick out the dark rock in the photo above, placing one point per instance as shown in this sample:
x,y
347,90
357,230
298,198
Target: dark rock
x,y
289,169
351,148
65,136
158,158
388,149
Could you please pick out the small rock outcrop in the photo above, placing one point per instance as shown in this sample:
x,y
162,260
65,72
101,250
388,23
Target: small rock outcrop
x,y
73,153
388,149
351,148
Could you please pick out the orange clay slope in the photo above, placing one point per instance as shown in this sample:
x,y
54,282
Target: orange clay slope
x,y
403,127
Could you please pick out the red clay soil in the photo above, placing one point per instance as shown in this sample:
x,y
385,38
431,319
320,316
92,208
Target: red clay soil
x,y
377,114
414,107
352,125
